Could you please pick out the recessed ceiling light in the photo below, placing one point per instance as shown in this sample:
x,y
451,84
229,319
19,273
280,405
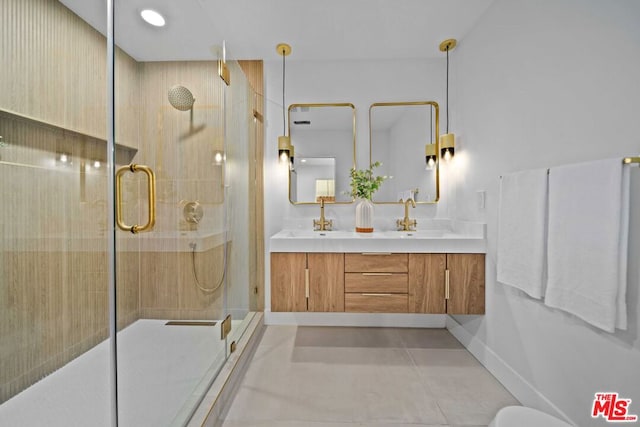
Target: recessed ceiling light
x,y
152,17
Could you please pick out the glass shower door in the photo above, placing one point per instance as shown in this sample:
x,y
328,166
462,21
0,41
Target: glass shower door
x,y
169,108
240,146
54,317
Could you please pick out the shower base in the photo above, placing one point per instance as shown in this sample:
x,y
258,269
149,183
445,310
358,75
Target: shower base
x,y
162,371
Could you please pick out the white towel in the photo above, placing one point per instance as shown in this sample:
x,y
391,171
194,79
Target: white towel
x,y
522,231
588,238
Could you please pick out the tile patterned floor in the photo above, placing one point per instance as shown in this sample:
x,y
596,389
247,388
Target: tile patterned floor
x,y
341,377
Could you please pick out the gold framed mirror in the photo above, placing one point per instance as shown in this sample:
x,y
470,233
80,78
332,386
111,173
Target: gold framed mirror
x,y
404,137
324,141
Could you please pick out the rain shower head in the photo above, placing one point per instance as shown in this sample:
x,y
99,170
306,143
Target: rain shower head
x,y
181,98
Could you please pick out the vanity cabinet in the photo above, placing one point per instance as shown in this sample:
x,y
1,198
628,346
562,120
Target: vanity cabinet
x,y
307,282
446,283
433,283
376,283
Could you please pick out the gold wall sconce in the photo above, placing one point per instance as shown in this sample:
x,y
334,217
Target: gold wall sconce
x,y
447,146
447,141
430,156
285,149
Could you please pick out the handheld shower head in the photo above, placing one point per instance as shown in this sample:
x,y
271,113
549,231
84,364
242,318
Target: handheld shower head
x,y
181,98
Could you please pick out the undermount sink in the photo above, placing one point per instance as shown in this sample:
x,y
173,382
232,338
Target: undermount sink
x,y
430,240
307,234
418,234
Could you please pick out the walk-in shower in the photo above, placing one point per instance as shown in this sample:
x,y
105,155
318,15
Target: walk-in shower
x,y
177,286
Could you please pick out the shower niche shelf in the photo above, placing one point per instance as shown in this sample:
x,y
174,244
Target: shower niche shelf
x,y
124,152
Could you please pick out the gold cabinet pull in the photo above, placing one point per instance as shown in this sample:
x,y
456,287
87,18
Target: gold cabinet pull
x,y
306,283
376,295
376,274
446,284
376,253
151,181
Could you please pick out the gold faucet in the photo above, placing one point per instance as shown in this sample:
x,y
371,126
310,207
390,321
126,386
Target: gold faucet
x,y
407,224
322,224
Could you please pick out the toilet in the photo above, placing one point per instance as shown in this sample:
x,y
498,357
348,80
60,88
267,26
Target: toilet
x,y
521,416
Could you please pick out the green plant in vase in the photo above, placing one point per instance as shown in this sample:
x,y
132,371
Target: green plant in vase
x,y
363,185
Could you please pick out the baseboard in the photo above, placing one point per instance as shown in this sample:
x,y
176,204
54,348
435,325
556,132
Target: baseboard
x,y
395,320
521,389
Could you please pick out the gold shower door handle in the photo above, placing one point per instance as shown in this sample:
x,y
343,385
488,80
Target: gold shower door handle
x,y
151,180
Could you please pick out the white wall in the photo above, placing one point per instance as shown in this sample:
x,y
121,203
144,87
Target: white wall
x,y
538,84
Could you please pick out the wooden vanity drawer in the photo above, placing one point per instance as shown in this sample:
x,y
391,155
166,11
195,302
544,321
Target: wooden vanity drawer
x,y
376,303
376,263
397,283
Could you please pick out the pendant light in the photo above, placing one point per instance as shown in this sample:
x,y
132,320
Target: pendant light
x,y
447,141
430,148
285,149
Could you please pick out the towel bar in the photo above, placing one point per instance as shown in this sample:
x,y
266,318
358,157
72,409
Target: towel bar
x,y
626,161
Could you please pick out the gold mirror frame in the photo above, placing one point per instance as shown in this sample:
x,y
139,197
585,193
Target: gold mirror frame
x,y
353,164
437,143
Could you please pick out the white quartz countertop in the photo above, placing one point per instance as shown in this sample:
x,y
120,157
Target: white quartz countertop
x,y
467,239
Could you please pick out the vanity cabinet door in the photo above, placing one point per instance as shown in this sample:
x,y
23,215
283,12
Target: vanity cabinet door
x,y
466,283
426,283
288,281
307,282
326,282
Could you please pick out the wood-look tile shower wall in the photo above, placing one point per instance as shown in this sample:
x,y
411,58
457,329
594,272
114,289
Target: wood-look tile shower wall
x,y
181,145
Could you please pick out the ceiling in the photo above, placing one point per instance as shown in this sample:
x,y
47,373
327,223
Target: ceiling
x,y
316,30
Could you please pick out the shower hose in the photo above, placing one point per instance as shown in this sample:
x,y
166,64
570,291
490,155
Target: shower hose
x,y
195,272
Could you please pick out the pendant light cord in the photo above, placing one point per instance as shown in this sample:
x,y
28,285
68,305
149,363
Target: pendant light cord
x,y
431,127
283,117
447,90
